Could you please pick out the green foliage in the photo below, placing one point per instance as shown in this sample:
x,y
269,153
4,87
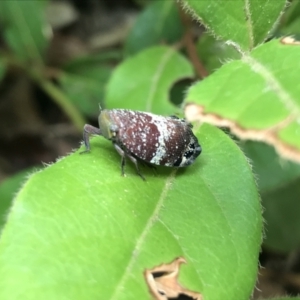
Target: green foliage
x,y
78,230
245,23
271,84
290,24
279,182
257,96
139,81
84,83
215,53
158,23
25,28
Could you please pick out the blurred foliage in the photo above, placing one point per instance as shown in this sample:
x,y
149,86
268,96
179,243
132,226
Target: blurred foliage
x,y
166,29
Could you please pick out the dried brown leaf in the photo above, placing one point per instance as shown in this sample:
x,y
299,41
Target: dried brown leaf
x,y
195,112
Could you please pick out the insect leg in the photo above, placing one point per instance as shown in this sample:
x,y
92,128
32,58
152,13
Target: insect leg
x,y
133,159
122,153
87,130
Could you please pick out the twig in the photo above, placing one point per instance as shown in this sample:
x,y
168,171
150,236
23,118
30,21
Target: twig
x,y
189,44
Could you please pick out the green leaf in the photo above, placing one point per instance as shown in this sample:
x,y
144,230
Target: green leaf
x,y
245,23
290,21
292,29
159,22
257,97
8,189
291,14
85,86
78,230
143,81
25,28
282,217
279,182
272,171
214,53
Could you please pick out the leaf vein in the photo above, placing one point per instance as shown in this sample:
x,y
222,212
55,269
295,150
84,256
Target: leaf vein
x,y
273,83
143,236
249,24
155,80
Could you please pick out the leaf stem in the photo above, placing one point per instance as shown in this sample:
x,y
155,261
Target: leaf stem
x,y
58,96
189,44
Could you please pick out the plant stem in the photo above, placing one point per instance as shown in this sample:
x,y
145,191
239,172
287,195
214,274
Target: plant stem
x,y
189,43
63,102
51,89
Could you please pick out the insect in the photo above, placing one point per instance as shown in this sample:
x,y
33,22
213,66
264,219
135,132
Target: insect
x,y
154,139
